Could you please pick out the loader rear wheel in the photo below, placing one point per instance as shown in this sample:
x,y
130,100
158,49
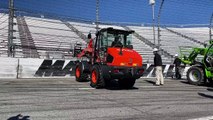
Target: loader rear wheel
x,y
126,83
79,75
97,80
195,75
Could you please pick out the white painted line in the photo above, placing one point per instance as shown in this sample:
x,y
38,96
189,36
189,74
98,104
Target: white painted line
x,y
86,88
203,118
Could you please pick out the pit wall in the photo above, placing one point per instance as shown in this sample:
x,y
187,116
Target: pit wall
x,y
41,68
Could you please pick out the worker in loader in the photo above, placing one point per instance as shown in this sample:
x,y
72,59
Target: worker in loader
x,y
117,42
90,40
89,48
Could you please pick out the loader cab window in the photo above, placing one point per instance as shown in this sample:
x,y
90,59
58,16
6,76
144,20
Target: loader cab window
x,y
104,38
209,57
117,42
129,40
108,38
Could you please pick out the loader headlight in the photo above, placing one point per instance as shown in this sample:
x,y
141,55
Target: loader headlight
x,y
134,64
122,64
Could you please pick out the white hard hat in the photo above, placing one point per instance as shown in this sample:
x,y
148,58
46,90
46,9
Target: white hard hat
x,y
176,55
155,49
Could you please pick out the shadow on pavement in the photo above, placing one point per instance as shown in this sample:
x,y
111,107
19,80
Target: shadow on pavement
x,y
113,85
204,84
185,82
205,95
19,117
210,89
149,81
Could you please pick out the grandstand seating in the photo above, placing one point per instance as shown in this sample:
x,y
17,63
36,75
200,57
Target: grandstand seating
x,y
55,39
17,42
84,28
4,37
144,49
27,43
171,42
52,35
3,34
198,33
146,32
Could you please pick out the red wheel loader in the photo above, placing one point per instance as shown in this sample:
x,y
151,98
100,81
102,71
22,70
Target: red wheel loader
x,y
110,57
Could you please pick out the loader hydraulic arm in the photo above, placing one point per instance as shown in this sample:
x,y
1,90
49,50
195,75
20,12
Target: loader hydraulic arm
x,y
191,58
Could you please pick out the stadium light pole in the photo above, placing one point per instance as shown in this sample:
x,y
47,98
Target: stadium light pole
x,y
158,22
152,3
211,27
10,28
97,15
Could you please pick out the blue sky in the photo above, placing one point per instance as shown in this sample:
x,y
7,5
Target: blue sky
x,y
130,11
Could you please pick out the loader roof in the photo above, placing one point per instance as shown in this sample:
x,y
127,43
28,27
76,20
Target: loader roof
x,y
116,31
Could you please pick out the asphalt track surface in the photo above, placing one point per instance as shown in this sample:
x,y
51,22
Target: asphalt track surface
x,y
66,99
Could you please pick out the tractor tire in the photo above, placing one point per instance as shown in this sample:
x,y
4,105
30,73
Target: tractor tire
x,y
126,83
80,76
195,75
97,80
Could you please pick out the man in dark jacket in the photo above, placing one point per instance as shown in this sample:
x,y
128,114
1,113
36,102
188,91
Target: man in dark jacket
x,y
177,63
116,42
158,67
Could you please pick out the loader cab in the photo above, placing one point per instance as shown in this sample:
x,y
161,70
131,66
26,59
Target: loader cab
x,y
106,38
208,58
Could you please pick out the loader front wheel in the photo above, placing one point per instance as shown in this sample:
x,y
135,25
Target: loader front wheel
x,y
195,75
80,76
97,80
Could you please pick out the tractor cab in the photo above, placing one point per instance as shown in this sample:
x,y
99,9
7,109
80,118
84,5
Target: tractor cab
x,y
114,47
110,37
208,58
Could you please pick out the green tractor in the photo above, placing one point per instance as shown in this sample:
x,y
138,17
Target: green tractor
x,y
200,71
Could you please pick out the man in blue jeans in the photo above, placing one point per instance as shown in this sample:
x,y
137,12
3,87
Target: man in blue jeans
x,y
158,67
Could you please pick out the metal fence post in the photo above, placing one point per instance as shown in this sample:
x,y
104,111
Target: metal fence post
x,y
17,70
159,15
211,28
10,28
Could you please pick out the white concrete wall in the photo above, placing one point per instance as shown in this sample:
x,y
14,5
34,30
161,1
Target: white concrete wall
x,y
8,67
27,67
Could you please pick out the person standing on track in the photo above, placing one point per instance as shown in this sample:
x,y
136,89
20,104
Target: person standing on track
x,y
158,67
177,63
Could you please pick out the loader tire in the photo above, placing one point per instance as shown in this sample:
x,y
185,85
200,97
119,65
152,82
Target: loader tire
x,y
195,75
97,80
80,76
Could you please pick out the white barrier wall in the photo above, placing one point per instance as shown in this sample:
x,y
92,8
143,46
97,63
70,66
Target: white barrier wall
x,y
31,67
28,67
8,67
22,67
